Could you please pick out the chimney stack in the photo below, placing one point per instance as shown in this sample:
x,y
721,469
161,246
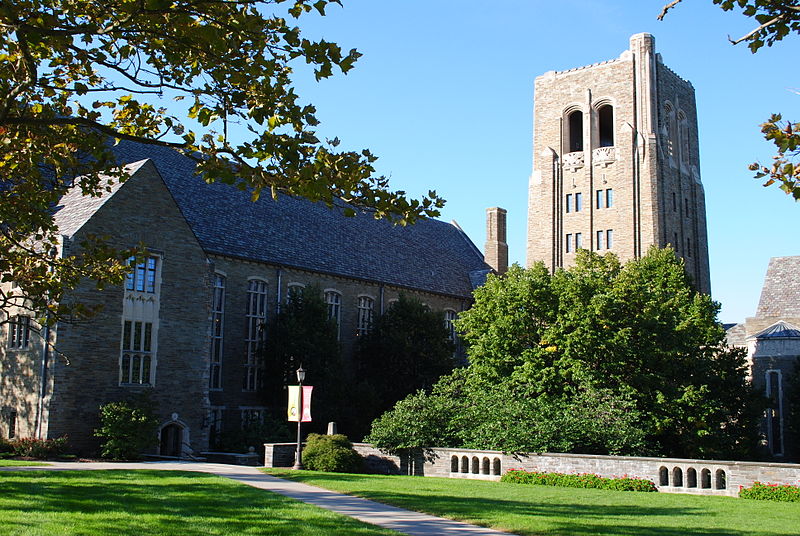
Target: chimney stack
x,y
496,250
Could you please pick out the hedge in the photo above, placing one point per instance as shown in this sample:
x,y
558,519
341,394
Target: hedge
x,y
770,492
582,480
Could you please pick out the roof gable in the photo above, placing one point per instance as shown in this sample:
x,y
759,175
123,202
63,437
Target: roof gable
x,y
780,295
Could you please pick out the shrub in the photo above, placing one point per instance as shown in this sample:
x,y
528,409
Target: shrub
x,y
6,446
771,492
583,480
331,453
28,447
128,429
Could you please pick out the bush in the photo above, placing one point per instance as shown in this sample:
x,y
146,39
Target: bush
x,y
771,492
129,428
40,449
6,446
583,480
331,453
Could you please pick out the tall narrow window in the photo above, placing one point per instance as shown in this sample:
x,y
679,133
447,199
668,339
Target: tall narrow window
x,y
449,324
685,206
683,131
256,318
334,302
579,201
599,240
775,412
142,277
688,247
674,202
569,242
578,241
12,424
605,125
137,346
609,197
599,199
676,244
575,122
19,332
609,238
669,131
366,305
217,322
569,203
214,425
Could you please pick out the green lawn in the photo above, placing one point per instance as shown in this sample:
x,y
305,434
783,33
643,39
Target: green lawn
x,y
14,463
536,510
159,503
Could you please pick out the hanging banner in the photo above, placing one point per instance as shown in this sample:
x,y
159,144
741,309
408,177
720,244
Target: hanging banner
x,y
293,410
307,403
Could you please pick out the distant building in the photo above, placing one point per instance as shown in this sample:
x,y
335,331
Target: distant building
x,y
616,163
186,325
772,339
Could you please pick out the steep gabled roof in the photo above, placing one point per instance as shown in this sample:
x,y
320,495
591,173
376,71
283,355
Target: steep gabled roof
x,y
75,209
778,330
432,255
780,295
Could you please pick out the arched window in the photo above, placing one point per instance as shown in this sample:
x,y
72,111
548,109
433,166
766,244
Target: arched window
x,y
334,302
720,480
677,477
366,306
669,128
475,465
605,126
464,464
705,479
485,466
691,478
294,291
496,469
575,127
663,476
256,318
454,464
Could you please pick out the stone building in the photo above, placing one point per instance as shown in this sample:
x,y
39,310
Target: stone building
x,y
616,163
187,322
772,340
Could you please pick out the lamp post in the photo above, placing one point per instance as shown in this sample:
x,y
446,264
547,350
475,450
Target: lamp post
x,y
298,459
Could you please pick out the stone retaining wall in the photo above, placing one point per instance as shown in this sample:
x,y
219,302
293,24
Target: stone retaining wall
x,y
672,475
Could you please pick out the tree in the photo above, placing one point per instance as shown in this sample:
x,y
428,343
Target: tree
x,y
128,428
407,349
302,334
599,358
76,75
777,19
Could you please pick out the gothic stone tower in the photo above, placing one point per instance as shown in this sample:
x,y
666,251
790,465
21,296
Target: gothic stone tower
x,y
616,164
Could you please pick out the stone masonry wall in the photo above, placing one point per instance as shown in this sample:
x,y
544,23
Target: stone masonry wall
x,y
671,475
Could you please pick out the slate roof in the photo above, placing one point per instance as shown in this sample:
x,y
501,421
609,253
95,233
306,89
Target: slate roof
x,y
779,330
432,255
780,295
735,334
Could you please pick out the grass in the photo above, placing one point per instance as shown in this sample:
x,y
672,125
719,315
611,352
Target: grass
x,y
539,510
15,463
55,503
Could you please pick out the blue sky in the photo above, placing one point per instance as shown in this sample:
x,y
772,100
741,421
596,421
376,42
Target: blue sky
x,y
444,97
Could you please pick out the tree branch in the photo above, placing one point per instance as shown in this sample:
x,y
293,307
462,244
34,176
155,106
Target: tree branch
x,y
667,8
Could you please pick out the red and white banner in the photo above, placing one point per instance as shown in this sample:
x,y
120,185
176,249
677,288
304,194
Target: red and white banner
x,y
294,403
307,403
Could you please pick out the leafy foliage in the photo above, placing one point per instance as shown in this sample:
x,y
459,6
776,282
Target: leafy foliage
x,y
271,430
331,453
407,349
128,429
76,74
771,492
584,480
785,170
40,449
302,334
598,358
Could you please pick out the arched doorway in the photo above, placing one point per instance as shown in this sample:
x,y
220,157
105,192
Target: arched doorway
x,y
171,442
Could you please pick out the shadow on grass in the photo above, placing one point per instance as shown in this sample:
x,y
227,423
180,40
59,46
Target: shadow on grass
x,y
556,515
155,502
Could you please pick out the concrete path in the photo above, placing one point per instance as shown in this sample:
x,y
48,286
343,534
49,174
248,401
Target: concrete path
x,y
390,517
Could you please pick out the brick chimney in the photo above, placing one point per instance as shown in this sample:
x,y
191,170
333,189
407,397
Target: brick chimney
x,y
496,249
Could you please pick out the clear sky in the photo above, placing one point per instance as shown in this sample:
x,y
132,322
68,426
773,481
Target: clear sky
x,y
444,97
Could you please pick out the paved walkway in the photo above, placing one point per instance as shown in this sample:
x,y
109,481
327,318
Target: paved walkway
x,y
390,517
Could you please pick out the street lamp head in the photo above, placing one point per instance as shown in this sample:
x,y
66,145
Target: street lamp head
x,y
301,374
